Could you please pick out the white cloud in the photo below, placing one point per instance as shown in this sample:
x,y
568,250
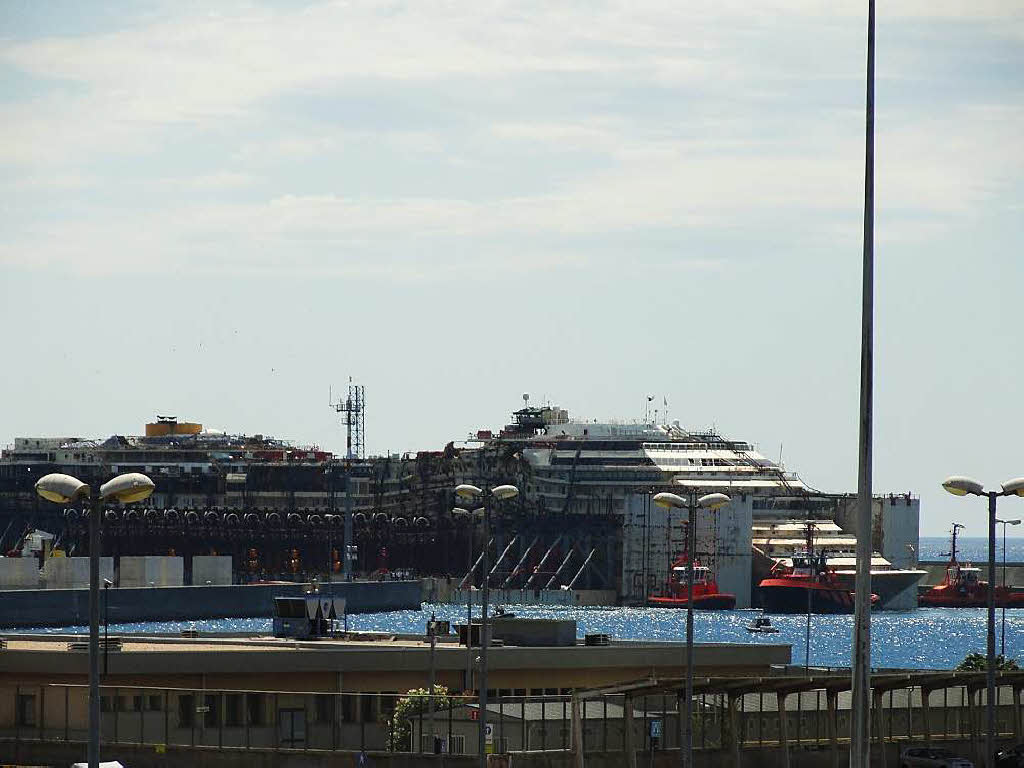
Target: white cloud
x,y
690,117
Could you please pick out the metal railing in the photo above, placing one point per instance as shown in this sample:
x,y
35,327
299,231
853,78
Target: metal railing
x,y
360,721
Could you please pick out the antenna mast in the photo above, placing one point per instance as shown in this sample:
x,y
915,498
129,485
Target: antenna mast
x,y
353,411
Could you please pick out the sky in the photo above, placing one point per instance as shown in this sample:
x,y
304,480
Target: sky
x,y
221,214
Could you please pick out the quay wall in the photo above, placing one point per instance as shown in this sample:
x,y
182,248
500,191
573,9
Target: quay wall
x,y
66,607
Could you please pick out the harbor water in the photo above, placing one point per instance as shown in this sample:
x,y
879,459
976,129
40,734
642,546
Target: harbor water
x,y
928,638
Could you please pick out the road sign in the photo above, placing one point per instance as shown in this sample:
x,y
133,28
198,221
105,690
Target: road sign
x,y
489,733
655,729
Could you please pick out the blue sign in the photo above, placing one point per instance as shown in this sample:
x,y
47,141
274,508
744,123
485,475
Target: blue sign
x,y
655,729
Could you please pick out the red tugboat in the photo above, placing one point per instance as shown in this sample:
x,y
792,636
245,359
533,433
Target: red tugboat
x,y
706,596
788,589
962,587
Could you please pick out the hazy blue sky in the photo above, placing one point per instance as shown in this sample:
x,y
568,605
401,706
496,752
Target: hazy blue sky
x,y
219,214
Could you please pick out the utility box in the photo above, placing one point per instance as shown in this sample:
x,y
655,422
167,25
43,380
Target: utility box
x,y
534,632
211,569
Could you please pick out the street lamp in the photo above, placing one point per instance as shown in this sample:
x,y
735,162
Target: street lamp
x,y
64,489
471,518
1002,634
963,486
484,496
711,501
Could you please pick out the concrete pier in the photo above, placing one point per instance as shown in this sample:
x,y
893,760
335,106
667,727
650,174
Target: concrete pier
x,y
67,607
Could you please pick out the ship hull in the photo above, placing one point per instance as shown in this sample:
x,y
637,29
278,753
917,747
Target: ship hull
x,y
719,601
940,597
886,584
785,596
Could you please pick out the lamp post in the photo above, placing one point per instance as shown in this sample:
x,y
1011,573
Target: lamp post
x,y
484,496
963,486
1002,633
107,584
471,518
63,489
709,501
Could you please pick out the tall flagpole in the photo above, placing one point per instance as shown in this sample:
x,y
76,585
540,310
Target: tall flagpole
x,y
860,726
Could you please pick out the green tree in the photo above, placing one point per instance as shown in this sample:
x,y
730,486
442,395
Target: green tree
x,y
978,662
409,708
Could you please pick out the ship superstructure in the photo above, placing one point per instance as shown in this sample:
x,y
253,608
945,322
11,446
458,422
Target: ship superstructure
x,y
590,473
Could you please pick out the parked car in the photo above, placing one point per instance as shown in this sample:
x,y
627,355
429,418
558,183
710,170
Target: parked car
x,y
1013,757
932,757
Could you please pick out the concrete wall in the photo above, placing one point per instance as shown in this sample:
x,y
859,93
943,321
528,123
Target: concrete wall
x,y
19,573
66,607
73,572
211,569
150,570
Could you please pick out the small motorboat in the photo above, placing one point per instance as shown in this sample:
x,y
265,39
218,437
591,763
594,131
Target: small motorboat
x,y
763,625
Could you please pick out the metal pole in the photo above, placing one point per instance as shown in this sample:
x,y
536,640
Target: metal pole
x,y
686,753
469,606
106,625
860,726
347,556
1002,633
483,633
430,690
94,630
990,677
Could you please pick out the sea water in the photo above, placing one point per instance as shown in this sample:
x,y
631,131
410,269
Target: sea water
x,y
927,638
972,548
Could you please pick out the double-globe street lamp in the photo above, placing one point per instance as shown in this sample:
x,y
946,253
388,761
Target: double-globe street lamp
x,y
1002,633
64,489
711,501
964,486
470,518
484,496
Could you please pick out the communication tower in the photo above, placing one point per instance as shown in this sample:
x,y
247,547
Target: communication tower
x,y
353,416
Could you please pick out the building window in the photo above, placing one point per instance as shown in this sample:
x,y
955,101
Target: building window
x,y
155,703
325,709
26,709
104,703
254,706
233,709
212,715
366,702
349,705
456,744
186,710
